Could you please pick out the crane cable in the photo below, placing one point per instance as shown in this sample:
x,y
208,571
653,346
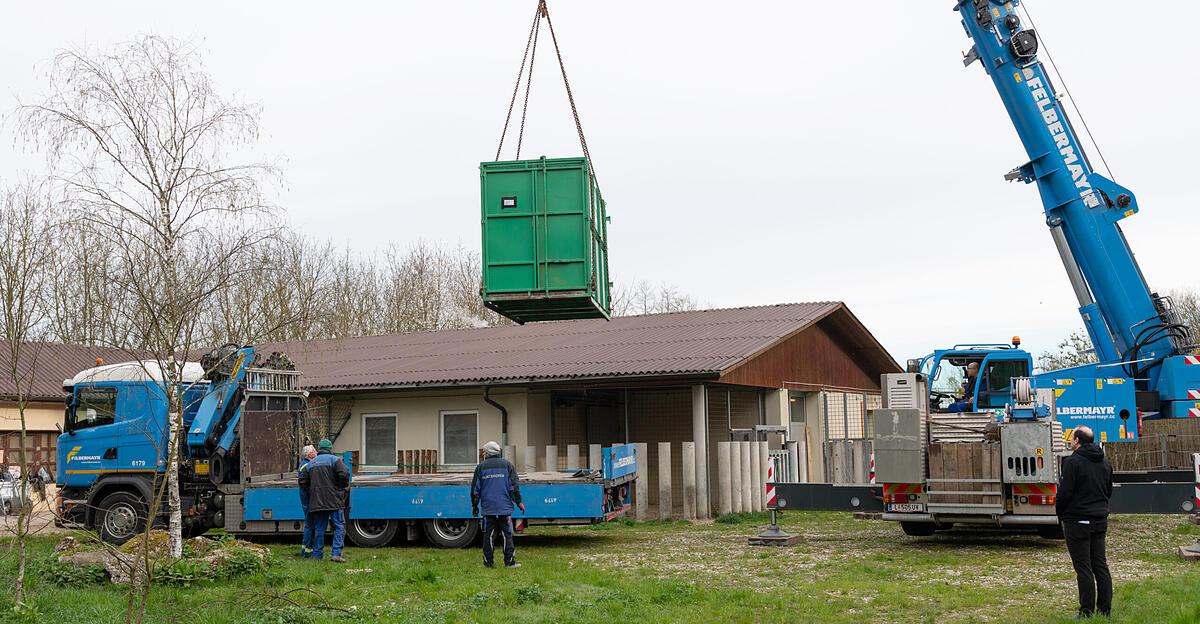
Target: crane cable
x,y
1063,80
530,52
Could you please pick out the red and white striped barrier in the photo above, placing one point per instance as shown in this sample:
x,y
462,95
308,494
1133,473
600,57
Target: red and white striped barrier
x,y
1196,461
1193,360
1194,394
872,475
771,484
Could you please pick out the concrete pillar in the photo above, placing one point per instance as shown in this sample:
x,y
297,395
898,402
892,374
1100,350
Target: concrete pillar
x,y
510,453
755,476
572,457
531,459
793,450
724,481
665,501
641,485
551,457
700,437
859,460
689,480
802,452
764,457
594,457
747,477
735,475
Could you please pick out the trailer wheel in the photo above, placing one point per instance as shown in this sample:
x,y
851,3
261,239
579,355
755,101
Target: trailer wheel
x,y
452,533
121,515
918,529
372,533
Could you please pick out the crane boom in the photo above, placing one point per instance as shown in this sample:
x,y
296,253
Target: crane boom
x,y
1125,320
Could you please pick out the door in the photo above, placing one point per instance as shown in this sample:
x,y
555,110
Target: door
x,y
995,382
90,447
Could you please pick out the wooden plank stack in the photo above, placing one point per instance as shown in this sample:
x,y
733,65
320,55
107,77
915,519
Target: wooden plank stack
x,y
964,460
417,461
1164,444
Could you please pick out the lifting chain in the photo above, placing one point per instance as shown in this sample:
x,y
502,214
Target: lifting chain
x,y
527,58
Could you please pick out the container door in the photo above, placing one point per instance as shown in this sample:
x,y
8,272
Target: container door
x,y
509,241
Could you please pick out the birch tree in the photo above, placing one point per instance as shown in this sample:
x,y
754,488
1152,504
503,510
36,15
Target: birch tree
x,y
26,219
145,150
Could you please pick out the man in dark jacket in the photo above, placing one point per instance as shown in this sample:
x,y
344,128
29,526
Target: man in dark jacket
x,y
1084,488
494,490
325,482
306,455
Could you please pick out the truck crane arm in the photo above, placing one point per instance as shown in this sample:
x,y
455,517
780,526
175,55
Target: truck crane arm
x,y
1130,325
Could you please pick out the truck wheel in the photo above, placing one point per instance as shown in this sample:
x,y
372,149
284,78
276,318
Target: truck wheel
x,y
121,515
456,533
918,529
371,533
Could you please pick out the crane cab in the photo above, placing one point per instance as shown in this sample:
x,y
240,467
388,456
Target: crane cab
x,y
973,377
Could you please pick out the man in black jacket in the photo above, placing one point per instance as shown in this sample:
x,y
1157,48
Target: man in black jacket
x,y
1084,488
494,487
325,483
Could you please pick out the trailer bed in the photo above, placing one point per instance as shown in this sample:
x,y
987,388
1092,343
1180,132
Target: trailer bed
x,y
373,479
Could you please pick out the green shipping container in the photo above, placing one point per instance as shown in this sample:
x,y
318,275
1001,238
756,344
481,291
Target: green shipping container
x,y
545,250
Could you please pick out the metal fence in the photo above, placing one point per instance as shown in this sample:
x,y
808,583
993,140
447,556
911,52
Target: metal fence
x,y
847,415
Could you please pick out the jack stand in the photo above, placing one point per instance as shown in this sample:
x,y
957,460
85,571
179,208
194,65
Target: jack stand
x,y
772,536
1191,553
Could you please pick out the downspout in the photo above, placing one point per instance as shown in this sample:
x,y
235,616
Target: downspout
x,y
503,416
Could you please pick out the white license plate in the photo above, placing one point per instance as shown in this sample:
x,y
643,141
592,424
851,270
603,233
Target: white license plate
x,y
905,507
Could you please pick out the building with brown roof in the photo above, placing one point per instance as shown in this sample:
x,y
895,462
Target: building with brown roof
x,y
703,376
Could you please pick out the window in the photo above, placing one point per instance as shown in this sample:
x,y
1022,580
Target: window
x,y
379,440
93,407
460,437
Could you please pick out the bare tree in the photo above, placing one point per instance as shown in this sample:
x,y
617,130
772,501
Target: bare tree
x,y
141,141
642,297
26,218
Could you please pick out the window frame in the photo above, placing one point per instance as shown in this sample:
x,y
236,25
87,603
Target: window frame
x,y
395,433
77,402
442,457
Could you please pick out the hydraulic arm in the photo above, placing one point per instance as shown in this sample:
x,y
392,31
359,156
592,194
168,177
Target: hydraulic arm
x,y
1125,320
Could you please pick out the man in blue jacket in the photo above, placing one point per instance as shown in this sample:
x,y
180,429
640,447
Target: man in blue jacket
x,y
306,455
494,491
325,483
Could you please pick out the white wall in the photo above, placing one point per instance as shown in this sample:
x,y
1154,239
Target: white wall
x,y
418,417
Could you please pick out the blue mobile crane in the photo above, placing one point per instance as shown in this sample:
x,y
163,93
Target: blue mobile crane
x,y
983,449
243,427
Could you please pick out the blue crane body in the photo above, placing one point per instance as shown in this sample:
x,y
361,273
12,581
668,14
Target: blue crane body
x,y
237,470
1138,337
980,409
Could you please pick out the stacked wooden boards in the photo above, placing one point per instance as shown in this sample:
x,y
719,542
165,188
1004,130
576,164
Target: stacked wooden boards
x,y
973,462
1163,444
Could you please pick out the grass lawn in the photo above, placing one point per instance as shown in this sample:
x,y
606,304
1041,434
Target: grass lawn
x,y
844,571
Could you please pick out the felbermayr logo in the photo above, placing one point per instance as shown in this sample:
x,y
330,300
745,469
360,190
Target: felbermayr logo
x,y
1088,411
72,456
622,462
1062,140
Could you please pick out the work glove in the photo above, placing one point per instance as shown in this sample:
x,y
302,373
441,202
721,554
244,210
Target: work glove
x,y
521,506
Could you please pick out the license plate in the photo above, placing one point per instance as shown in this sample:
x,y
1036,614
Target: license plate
x,y
905,507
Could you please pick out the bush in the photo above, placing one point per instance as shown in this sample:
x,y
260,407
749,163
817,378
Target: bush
x,y
68,575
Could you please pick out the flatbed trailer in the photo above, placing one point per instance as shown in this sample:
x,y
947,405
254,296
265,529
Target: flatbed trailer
x,y
381,504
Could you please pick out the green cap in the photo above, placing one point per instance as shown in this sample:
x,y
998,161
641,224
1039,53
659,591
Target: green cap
x,y
325,445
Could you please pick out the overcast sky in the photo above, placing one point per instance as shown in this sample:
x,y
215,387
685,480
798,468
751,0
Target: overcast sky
x,y
750,154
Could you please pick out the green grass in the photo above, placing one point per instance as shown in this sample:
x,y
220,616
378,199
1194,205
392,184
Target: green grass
x,y
843,571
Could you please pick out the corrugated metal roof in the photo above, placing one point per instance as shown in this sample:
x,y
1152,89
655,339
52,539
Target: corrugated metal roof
x,y
704,342
53,363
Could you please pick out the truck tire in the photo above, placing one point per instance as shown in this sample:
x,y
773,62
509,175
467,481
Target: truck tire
x,y
120,516
371,533
918,529
452,533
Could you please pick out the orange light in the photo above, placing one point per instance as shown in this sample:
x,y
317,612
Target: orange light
x,y
99,361
1016,341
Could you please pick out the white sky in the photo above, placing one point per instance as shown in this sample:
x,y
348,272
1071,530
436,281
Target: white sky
x,y
750,153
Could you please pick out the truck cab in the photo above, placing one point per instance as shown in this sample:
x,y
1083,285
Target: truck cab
x,y
110,451
951,389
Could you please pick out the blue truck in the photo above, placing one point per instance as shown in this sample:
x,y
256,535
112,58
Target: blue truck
x,y
243,430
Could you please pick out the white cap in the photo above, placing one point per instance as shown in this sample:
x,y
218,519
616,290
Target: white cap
x,y
491,448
